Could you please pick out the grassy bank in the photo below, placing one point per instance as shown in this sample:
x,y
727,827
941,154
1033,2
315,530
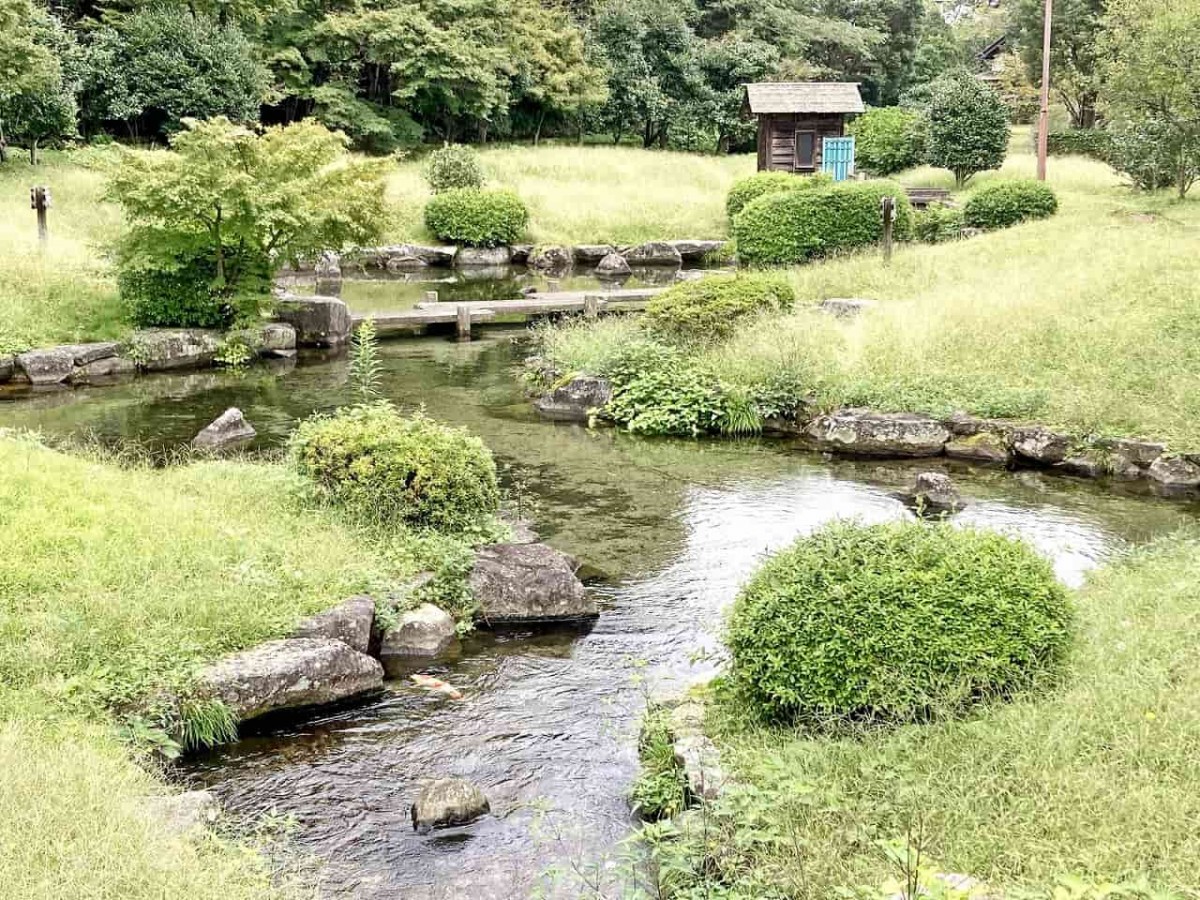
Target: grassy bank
x,y
66,292
117,582
1088,320
1100,780
575,195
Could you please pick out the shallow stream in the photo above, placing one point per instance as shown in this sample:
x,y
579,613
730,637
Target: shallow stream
x,y
548,723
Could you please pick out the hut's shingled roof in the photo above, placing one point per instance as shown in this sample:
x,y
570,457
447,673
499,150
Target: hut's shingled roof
x,y
804,97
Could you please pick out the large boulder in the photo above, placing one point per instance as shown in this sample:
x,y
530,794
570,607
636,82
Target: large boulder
x,y
1040,445
277,339
225,430
108,367
471,257
8,365
162,349
51,366
400,257
528,584
613,266
697,251
933,493
83,354
1131,458
590,254
1175,472
418,636
576,400
552,259
446,802
983,446
653,253
319,321
291,674
349,622
866,433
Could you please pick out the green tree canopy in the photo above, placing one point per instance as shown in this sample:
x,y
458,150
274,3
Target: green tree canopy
x,y
288,192
1074,61
1151,53
968,126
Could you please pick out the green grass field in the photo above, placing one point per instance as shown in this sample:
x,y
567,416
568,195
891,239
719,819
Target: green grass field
x,y
116,582
1089,320
1099,780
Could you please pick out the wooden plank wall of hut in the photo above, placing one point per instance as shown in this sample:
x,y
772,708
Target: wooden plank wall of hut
x,y
777,139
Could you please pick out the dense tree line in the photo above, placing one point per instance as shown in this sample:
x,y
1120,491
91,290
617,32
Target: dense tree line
x,y
392,73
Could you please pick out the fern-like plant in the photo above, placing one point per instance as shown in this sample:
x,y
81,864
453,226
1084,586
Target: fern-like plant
x,y
365,365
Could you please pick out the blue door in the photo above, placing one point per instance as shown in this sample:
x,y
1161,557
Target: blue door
x,y
837,157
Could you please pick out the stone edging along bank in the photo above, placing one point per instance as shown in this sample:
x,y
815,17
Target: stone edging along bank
x,y
864,432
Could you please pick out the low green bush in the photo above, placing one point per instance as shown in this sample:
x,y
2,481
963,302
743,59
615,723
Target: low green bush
x,y
452,167
397,469
888,140
660,790
760,184
477,218
180,292
1093,142
1004,203
710,309
895,622
937,224
781,229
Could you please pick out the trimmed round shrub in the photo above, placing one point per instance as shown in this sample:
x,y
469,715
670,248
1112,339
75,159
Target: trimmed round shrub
x,y
895,622
937,224
780,229
1005,203
453,166
477,218
888,140
180,292
761,183
397,469
710,309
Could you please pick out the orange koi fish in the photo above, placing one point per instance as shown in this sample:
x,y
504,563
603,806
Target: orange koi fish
x,y
437,686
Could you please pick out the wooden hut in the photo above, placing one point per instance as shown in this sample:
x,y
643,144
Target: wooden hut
x,y
794,120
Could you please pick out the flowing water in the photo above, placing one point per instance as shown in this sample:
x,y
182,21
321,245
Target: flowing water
x,y
548,723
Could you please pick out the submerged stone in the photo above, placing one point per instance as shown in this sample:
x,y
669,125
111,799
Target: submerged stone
x,y
447,802
576,400
227,429
933,493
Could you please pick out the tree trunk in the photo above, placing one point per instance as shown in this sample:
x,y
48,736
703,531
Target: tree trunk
x,y
220,250
537,133
960,180
33,157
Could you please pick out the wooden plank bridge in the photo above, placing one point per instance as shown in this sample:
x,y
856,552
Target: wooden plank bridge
x,y
476,312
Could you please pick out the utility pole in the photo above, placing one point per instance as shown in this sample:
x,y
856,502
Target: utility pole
x,y
39,199
1044,111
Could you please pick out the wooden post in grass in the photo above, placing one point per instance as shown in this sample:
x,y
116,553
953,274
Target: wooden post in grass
x,y
591,306
462,316
39,199
888,211
1044,108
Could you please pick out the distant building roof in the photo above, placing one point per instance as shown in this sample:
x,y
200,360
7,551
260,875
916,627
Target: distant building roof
x,y
804,97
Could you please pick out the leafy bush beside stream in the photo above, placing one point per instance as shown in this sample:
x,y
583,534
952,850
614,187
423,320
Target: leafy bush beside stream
x,y
710,309
895,622
477,218
398,469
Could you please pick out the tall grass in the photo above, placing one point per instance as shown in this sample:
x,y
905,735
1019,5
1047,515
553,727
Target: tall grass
x,y
1100,780
1089,320
593,194
65,292
118,580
